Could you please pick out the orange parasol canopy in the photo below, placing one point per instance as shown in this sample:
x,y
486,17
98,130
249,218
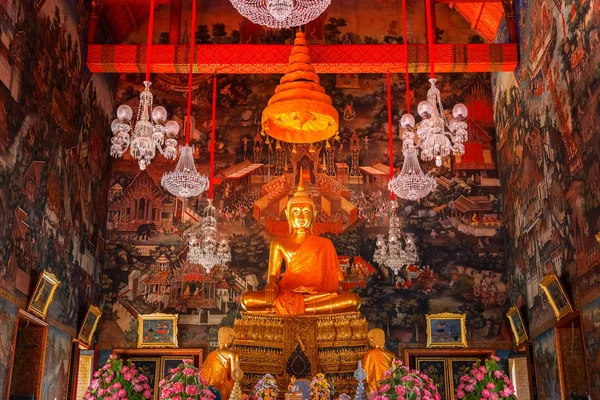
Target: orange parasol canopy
x,y
300,111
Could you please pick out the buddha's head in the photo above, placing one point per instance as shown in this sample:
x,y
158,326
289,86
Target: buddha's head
x,y
225,337
300,210
376,338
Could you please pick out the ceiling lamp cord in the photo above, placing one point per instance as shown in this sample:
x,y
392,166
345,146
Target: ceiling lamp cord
x,y
188,124
390,131
149,44
430,36
212,136
406,50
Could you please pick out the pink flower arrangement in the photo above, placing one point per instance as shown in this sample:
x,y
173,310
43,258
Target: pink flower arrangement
x,y
402,383
185,383
485,382
118,381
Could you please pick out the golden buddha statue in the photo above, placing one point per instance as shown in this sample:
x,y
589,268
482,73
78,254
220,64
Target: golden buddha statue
x,y
377,360
219,365
311,282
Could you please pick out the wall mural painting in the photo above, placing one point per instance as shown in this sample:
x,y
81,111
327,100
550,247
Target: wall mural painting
x,y
8,321
458,227
56,366
590,317
546,366
549,157
53,155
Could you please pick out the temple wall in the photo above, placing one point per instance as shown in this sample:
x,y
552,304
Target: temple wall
x,y
463,251
548,139
53,177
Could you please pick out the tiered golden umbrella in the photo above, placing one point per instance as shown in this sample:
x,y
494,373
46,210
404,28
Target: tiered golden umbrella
x,y
300,111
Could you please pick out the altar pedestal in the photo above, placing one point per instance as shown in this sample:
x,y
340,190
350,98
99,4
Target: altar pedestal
x,y
301,346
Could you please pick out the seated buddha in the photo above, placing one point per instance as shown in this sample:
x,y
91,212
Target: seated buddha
x,y
311,281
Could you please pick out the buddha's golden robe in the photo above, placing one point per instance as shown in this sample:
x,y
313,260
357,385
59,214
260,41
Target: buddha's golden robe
x,y
375,363
216,369
313,269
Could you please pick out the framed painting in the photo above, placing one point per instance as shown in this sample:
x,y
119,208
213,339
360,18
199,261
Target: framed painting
x,y
517,326
43,294
149,366
557,297
435,369
89,325
446,330
157,330
169,362
457,368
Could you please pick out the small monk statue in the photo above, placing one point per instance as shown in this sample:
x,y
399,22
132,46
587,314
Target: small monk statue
x,y
218,366
311,282
377,360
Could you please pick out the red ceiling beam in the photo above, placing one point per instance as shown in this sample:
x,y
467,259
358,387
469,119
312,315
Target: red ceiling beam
x,y
135,2
467,1
268,59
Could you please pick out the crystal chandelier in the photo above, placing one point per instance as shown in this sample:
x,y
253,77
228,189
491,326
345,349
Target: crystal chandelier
x,y
208,251
392,254
148,135
281,13
185,181
440,138
412,183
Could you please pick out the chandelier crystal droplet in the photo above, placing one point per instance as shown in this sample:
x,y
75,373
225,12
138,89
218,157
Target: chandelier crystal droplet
x,y
207,250
412,183
148,133
281,13
438,137
390,252
185,181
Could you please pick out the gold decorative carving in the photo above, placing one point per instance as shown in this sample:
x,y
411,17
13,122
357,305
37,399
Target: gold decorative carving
x,y
333,343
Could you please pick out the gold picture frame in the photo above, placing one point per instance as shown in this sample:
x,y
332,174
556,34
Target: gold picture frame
x,y
450,330
150,367
43,294
86,332
157,330
168,362
557,297
517,325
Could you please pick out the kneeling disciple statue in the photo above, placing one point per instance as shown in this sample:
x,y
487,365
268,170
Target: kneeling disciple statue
x,y
218,367
377,360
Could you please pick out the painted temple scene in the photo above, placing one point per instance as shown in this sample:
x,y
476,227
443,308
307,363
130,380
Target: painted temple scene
x,y
299,200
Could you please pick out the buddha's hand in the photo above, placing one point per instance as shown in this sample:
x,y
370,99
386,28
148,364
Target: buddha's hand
x,y
271,292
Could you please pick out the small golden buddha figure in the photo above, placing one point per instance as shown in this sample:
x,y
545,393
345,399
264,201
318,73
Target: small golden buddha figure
x,y
377,360
219,365
311,282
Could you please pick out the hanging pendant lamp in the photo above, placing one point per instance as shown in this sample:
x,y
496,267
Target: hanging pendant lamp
x,y
185,181
300,111
412,183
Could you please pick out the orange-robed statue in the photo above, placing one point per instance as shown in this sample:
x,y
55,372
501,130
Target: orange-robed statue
x,y
377,360
311,282
218,367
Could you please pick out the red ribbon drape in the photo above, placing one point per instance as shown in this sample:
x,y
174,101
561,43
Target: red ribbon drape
x,y
406,46
212,137
390,130
430,34
149,44
189,99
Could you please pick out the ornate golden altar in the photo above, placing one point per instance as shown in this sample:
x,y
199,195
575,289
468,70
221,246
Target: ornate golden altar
x,y
330,344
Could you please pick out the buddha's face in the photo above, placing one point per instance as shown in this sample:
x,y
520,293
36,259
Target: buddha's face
x,y
300,215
